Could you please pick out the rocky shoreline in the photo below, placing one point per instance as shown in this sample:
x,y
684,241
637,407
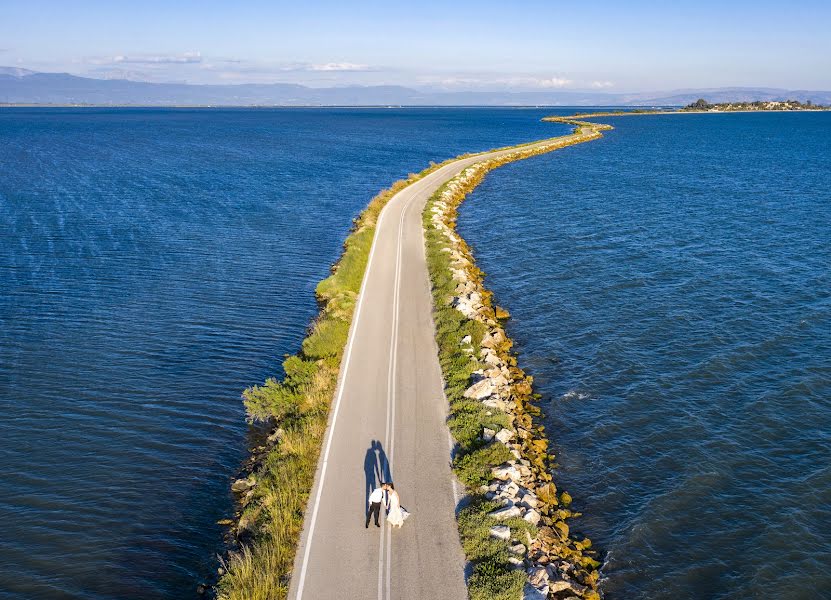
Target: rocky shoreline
x,y
557,563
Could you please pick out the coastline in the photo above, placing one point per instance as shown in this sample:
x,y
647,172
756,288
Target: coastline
x,y
274,485
514,528
677,111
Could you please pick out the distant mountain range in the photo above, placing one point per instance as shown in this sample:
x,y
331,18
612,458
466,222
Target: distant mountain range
x,y
21,86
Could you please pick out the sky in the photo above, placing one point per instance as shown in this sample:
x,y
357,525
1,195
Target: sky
x,y
639,45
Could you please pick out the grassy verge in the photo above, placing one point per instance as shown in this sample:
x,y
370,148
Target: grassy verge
x,y
473,348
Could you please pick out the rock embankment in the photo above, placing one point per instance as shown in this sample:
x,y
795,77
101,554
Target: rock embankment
x,y
557,563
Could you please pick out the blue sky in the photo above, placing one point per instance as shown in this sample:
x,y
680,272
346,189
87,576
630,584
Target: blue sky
x,y
617,46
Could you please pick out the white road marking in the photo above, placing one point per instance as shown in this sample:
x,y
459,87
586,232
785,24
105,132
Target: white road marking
x,y
331,433
384,570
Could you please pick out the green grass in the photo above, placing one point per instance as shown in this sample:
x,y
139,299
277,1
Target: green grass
x,y
273,518
473,468
491,578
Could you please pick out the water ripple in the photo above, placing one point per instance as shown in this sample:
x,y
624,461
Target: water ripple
x,y
670,293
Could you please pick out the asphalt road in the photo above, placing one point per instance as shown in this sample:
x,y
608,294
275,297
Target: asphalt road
x,y
387,422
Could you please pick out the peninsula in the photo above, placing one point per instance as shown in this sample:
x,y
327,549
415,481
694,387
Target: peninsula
x,y
372,353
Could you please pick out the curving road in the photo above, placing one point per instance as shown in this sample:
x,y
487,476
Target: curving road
x,y
388,422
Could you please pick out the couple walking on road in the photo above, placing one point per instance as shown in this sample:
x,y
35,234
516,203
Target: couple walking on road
x,y
377,470
386,495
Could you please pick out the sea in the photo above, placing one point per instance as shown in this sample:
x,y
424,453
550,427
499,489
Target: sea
x,y
669,286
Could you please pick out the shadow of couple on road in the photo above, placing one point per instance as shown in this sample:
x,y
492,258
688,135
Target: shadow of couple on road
x,y
376,470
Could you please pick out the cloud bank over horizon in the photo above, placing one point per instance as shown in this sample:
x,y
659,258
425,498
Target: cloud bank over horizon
x,y
485,45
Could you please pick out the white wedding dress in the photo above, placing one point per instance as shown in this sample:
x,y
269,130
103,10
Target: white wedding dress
x,y
396,515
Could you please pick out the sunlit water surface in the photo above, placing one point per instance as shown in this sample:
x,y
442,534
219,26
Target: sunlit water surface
x,y
153,263
671,294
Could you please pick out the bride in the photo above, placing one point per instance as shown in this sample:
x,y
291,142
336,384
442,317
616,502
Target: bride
x,y
396,514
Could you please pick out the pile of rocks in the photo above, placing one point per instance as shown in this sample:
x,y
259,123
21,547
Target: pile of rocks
x,y
557,564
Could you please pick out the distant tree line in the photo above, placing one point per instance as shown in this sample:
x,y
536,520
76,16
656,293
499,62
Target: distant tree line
x,y
702,104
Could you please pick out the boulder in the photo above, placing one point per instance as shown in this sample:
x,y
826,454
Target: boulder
x,y
491,358
488,341
505,471
505,435
529,592
495,403
532,516
509,512
548,493
538,577
466,309
562,528
488,434
499,381
501,313
480,390
240,486
519,549
558,586
529,500
548,535
500,532
571,586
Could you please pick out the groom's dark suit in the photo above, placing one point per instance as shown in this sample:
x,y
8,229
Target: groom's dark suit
x,y
376,498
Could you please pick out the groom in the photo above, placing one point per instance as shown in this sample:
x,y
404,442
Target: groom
x,y
378,496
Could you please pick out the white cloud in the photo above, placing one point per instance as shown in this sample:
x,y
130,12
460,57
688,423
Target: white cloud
x,y
599,85
553,82
187,58
497,81
341,66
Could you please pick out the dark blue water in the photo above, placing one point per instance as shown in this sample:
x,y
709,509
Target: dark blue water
x,y
671,294
153,263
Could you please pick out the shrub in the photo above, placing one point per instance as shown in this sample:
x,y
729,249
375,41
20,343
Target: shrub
x,y
327,339
474,468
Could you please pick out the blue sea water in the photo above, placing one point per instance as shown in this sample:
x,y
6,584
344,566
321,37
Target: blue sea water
x,y
153,264
671,294
669,286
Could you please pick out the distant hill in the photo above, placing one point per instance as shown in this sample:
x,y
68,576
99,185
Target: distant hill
x,y
21,86
15,71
